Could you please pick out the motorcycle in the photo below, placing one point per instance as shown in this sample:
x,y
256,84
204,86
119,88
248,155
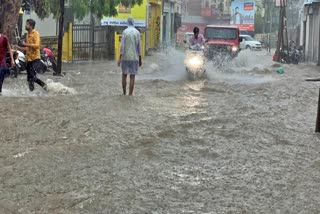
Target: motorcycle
x,y
48,59
293,55
20,61
287,57
46,62
195,62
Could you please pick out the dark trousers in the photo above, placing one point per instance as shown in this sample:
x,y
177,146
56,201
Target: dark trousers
x,y
3,72
32,74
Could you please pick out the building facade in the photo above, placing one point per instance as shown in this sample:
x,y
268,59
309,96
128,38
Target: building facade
x,y
168,19
200,13
311,31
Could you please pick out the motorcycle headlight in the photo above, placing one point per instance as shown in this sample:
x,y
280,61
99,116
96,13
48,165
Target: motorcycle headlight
x,y
196,61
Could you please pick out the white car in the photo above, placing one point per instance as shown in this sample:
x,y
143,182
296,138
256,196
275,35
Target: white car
x,y
249,43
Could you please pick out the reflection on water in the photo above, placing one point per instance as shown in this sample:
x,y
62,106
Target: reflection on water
x,y
237,142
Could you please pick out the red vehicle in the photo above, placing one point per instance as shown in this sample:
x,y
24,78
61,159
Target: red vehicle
x,y
48,58
221,41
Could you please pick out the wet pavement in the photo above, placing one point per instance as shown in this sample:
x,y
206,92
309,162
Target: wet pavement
x,y
241,141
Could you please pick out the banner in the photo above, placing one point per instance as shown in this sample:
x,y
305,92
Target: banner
x,y
280,3
138,12
242,15
306,2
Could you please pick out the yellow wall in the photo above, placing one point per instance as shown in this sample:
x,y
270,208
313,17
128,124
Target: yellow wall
x,y
138,12
67,45
154,24
117,41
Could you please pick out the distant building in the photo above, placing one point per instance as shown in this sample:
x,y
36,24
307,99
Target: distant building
x,y
311,30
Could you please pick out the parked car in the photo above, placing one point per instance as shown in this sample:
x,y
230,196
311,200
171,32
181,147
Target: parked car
x,y
249,43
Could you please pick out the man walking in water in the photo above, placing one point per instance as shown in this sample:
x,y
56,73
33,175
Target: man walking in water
x,y
32,48
130,55
4,47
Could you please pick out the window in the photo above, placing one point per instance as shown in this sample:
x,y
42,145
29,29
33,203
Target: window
x,y
221,33
248,38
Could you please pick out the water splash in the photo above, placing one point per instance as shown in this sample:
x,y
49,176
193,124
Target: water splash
x,y
249,67
171,67
59,88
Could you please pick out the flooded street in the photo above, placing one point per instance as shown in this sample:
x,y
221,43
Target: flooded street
x,y
241,141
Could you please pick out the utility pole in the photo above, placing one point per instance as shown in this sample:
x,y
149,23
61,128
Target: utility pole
x,y
270,24
265,17
282,26
60,37
318,115
319,49
285,26
92,23
280,34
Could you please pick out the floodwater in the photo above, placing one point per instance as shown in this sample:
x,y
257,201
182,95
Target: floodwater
x,y
241,141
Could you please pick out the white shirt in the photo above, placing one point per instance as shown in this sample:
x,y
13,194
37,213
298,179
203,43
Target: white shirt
x,y
130,47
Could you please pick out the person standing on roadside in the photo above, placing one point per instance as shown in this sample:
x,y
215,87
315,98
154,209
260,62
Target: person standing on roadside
x,y
4,47
130,55
32,49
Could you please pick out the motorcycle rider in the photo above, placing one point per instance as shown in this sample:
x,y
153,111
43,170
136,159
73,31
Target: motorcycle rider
x,y
197,38
194,59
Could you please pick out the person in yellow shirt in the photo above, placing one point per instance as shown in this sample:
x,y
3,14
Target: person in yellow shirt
x,y
32,49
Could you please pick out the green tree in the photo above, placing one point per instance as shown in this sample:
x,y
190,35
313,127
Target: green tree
x,y
9,9
81,8
258,22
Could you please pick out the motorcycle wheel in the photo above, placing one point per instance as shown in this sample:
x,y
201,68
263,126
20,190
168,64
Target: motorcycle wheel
x,y
191,76
294,61
54,65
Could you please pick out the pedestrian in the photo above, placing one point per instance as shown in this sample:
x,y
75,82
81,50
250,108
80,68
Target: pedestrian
x,y
4,47
32,49
130,55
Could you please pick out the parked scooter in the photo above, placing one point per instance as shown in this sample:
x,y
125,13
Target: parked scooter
x,y
293,55
295,52
20,61
41,67
287,57
48,58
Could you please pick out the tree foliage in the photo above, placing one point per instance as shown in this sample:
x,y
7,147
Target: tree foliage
x,y
81,8
9,9
258,22
9,13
